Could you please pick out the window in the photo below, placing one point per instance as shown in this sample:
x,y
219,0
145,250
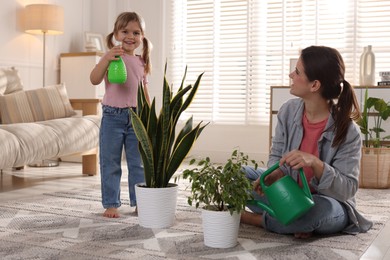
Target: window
x,y
245,46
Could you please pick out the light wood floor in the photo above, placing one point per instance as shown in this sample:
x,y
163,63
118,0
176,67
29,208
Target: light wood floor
x,y
34,181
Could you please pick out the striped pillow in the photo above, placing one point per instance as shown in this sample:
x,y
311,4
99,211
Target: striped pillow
x,y
14,108
50,102
36,105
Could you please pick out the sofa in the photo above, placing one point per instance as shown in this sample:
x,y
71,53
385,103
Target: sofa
x,y
43,123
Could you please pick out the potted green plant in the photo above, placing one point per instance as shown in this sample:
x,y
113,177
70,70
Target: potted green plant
x,y
375,167
222,191
162,151
379,110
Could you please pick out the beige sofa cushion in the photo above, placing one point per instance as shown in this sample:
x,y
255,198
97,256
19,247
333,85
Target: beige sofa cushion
x,y
75,134
35,142
41,104
26,143
10,148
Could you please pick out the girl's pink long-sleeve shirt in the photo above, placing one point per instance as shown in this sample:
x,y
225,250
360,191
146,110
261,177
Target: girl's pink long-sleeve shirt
x,y
125,95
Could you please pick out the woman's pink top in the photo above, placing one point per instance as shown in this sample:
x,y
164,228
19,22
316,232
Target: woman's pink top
x,y
125,95
309,144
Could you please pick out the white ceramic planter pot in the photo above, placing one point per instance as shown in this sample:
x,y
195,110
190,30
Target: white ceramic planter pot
x,y
156,206
220,229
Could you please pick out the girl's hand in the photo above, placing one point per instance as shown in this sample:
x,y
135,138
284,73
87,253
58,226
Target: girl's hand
x,y
268,180
114,53
97,74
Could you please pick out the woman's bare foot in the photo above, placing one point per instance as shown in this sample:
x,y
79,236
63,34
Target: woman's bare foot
x,y
251,218
303,235
111,213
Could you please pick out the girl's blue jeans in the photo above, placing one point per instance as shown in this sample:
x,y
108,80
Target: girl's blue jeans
x,y
116,133
327,216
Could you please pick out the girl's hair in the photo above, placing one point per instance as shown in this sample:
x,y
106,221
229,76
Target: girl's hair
x,y
326,65
121,22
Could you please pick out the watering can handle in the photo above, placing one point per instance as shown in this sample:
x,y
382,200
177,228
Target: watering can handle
x,y
267,172
306,188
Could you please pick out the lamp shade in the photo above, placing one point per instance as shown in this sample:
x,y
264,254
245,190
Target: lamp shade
x,y
44,18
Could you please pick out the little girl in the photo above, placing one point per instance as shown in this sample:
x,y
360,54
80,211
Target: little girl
x,y
116,130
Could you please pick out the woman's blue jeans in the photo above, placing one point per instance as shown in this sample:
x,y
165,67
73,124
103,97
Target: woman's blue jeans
x,y
327,216
116,133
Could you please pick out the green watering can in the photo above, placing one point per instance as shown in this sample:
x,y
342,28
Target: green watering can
x,y
287,201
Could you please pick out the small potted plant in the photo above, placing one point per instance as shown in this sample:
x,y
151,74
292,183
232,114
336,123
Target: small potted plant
x,y
162,150
222,191
375,167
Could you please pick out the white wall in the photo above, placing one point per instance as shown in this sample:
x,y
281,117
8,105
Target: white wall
x,y
24,51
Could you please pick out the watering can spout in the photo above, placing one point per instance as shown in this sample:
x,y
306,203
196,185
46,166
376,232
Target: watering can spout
x,y
263,206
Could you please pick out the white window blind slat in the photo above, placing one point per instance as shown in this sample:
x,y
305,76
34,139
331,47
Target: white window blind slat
x,y
245,46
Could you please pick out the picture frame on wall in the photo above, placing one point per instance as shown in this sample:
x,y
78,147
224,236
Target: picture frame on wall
x,y
94,42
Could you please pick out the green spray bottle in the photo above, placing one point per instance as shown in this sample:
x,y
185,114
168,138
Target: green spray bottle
x,y
117,73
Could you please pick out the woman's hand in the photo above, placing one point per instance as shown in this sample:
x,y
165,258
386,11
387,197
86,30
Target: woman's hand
x,y
268,180
297,159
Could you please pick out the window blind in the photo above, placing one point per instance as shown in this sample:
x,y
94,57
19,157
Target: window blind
x,y
245,46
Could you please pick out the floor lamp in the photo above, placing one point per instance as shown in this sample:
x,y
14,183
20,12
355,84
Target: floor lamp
x,y
44,19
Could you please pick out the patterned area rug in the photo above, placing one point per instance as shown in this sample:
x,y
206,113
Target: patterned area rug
x,y
69,225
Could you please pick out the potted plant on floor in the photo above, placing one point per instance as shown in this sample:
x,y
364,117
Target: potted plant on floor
x,y
375,167
162,151
222,191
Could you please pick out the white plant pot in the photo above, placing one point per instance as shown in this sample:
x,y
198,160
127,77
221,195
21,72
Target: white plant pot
x,y
156,206
220,229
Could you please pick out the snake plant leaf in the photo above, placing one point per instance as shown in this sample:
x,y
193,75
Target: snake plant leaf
x,y
152,126
177,101
176,110
145,144
149,175
181,151
184,131
165,132
191,96
141,99
183,79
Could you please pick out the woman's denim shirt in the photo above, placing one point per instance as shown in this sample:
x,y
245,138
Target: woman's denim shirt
x,y
340,179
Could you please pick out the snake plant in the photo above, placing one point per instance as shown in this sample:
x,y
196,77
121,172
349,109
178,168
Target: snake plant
x,y
163,151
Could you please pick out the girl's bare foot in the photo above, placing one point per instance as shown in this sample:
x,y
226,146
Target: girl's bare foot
x,y
302,235
111,213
